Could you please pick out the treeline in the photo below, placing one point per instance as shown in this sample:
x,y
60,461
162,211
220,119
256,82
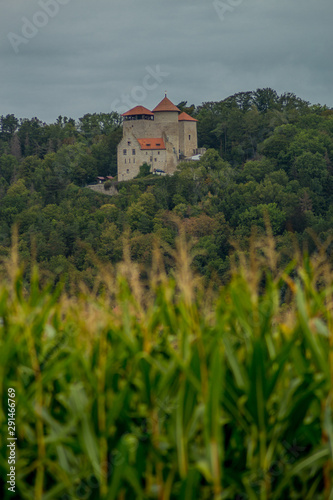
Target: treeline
x,y
95,138
269,158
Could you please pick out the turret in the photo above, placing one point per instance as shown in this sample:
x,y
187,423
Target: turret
x,y
139,121
166,111
188,137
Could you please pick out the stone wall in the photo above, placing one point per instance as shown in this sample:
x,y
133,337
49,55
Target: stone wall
x,y
188,138
179,138
99,188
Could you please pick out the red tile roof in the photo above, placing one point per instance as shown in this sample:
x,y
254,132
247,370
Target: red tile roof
x,y
149,143
184,117
138,110
166,105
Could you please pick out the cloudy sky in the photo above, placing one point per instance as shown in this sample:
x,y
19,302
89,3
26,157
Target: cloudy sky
x,y
71,57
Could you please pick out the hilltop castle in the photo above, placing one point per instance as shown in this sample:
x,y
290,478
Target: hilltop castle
x,y
161,138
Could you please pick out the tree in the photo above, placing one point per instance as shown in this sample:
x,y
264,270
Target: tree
x,y
15,147
8,167
8,127
257,169
265,99
104,150
76,164
92,125
211,160
255,216
311,171
144,170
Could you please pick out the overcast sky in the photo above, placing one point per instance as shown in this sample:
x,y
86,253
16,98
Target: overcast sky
x,y
87,56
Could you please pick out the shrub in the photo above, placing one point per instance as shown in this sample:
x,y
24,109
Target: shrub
x,y
144,171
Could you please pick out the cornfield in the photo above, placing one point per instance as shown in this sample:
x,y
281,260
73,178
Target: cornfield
x,y
162,389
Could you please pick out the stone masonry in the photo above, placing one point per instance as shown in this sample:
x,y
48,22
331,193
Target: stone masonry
x,y
161,138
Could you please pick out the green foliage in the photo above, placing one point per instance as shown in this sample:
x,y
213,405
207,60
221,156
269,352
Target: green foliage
x,y
8,168
311,171
266,153
211,160
254,216
256,170
170,390
144,171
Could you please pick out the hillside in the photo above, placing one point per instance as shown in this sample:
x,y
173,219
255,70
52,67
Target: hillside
x,y
269,158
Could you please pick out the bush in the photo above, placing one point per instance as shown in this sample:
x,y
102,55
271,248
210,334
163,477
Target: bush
x,y
144,171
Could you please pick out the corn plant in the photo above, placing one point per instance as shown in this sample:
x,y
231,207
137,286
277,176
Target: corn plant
x,y
165,390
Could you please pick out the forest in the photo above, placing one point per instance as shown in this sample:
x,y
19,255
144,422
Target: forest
x,y
268,167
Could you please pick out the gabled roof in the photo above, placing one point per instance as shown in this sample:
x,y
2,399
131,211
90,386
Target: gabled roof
x,y
151,143
138,110
166,105
184,117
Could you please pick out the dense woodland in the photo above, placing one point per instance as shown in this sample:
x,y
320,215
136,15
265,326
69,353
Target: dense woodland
x,y
269,156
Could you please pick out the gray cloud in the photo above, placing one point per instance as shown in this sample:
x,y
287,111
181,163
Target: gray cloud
x,y
91,53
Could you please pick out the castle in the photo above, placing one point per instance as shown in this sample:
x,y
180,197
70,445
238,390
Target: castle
x,y
161,138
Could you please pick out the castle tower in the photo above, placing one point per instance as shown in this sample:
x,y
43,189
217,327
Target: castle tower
x,y
166,119
138,121
188,137
166,112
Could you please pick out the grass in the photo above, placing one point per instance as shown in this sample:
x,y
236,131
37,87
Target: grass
x,y
165,390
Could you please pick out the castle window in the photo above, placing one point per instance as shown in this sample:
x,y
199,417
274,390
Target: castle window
x,y
125,161
151,158
155,159
124,151
127,170
158,152
189,137
133,151
129,143
129,161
